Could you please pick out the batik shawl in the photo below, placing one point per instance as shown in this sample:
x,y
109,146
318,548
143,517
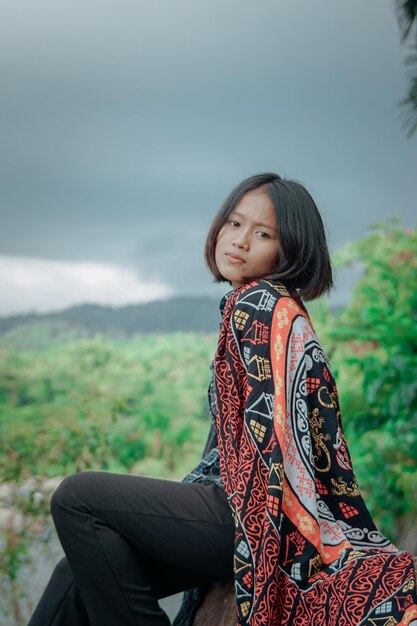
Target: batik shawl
x,y
307,552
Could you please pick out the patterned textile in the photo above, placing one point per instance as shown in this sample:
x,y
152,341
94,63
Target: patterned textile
x,y
208,469
192,600
206,472
307,552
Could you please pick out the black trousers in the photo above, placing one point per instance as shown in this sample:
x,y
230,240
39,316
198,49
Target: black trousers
x,y
128,541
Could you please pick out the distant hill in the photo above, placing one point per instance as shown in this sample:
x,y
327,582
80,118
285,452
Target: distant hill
x,y
177,314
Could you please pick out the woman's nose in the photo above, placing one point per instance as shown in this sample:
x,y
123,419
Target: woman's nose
x,y
241,241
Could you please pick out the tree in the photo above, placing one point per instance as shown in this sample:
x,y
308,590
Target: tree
x,y
376,354
406,15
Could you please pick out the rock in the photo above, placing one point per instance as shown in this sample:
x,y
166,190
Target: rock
x,y
219,606
10,519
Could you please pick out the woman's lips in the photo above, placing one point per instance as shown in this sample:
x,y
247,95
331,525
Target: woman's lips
x,y
234,259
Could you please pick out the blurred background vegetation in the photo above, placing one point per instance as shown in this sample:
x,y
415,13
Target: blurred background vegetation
x,y
138,404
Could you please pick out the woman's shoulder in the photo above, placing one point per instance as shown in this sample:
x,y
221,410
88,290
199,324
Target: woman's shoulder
x,y
262,294
262,301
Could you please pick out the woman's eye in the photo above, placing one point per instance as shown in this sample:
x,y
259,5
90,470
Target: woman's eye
x,y
234,223
263,235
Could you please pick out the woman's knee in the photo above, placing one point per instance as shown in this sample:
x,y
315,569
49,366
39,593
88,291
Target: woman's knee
x,y
62,570
72,493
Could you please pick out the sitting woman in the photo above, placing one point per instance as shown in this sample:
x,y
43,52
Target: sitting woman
x,y
274,504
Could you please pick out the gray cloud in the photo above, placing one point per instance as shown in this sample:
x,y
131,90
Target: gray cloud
x,y
124,126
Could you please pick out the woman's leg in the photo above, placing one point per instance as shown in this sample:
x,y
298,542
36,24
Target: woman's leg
x,y
131,540
61,603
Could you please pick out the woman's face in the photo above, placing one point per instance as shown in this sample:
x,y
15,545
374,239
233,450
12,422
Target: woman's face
x,y
247,244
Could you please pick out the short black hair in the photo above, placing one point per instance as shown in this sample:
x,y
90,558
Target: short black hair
x,y
304,261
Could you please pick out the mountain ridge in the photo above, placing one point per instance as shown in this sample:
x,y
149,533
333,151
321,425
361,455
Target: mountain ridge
x,y
181,313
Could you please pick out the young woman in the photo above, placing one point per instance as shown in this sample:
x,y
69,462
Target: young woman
x,y
274,502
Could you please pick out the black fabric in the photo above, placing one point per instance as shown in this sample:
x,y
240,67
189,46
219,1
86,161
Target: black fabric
x,y
208,468
129,541
193,598
211,440
61,601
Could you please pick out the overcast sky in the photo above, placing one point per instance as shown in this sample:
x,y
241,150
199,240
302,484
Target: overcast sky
x,y
124,125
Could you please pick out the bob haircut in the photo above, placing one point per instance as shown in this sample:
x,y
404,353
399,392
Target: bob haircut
x,y
304,260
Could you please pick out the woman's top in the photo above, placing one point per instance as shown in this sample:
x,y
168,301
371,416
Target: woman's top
x,y
208,469
306,549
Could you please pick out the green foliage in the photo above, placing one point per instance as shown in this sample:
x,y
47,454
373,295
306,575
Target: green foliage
x,y
103,405
374,349
137,406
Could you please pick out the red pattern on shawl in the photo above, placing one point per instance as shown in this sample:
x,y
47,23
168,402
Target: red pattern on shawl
x,y
297,560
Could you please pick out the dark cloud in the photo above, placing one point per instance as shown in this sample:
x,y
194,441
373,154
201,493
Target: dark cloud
x,y
124,126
